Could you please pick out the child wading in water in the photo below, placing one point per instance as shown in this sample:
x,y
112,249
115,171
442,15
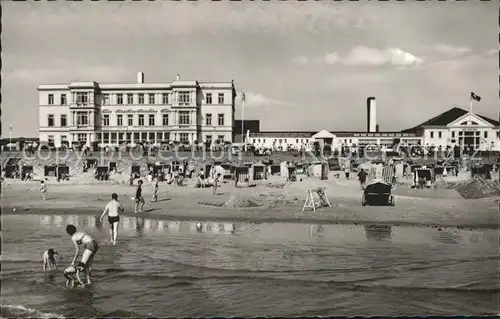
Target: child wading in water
x,y
43,189
139,200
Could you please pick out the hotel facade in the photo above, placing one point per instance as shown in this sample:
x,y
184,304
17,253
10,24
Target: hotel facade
x,y
186,111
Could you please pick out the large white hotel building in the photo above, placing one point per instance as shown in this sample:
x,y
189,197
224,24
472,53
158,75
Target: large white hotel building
x,y
110,114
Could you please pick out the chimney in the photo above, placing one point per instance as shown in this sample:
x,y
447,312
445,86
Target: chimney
x,y
140,77
178,78
371,116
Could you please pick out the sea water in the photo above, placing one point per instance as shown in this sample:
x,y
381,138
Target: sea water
x,y
181,269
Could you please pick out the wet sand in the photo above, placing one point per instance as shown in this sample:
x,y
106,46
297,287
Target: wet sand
x,y
441,208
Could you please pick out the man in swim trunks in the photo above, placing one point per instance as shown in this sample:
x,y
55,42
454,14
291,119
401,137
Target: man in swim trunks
x,y
113,208
90,246
139,200
49,261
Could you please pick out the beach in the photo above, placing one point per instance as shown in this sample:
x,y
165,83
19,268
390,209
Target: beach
x,y
274,201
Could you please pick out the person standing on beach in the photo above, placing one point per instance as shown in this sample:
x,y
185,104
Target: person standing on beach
x,y
154,199
347,172
113,208
43,189
216,181
362,178
139,200
90,246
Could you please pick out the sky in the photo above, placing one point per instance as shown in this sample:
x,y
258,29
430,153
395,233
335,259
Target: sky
x,y
302,65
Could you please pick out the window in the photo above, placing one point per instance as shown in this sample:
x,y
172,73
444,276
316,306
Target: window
x,y
221,119
440,134
184,118
82,137
82,118
208,119
183,137
297,141
82,98
151,120
432,134
64,121
221,98
64,139
166,136
141,119
209,98
119,120
50,139
485,134
184,98
105,99
130,98
165,120
151,98
141,98
64,101
144,136
105,138
119,99
209,139
453,134
164,98
220,138
105,120
473,123
136,137
51,99
50,120
130,119
151,136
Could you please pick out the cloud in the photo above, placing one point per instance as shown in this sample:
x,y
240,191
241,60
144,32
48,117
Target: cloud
x,y
450,51
258,100
185,17
364,56
492,52
300,60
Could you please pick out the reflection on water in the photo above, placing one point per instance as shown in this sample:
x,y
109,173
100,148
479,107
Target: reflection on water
x,y
197,269
378,232
140,224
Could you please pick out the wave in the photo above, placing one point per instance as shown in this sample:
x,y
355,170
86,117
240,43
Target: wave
x,y
19,311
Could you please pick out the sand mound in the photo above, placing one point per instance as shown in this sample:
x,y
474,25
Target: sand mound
x,y
275,199
240,202
478,187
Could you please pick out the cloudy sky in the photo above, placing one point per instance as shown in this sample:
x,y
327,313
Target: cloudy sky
x,y
303,66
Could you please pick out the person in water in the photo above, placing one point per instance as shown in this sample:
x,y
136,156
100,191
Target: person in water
x,y
72,275
49,260
90,246
139,200
113,208
154,198
43,189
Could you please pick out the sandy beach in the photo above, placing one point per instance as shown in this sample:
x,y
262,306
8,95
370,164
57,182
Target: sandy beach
x,y
273,201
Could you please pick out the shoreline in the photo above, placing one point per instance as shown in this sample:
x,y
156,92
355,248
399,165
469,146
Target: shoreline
x,y
148,214
426,208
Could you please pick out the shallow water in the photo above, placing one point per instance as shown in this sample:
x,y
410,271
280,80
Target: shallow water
x,y
167,268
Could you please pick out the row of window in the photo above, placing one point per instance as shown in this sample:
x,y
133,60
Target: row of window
x,y
460,133
280,140
184,98
115,138
184,119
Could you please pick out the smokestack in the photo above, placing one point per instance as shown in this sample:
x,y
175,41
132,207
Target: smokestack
x,y
178,78
371,116
140,77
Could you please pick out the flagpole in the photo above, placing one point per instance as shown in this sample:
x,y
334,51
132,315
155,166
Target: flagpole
x,y
470,106
243,120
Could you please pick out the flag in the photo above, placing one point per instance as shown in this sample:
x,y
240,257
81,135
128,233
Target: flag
x,y
473,96
243,97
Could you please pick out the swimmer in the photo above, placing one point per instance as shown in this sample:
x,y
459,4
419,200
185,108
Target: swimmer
x,y
139,200
72,274
113,208
49,262
90,246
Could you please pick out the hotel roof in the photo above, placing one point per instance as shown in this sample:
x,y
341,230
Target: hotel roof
x,y
446,118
